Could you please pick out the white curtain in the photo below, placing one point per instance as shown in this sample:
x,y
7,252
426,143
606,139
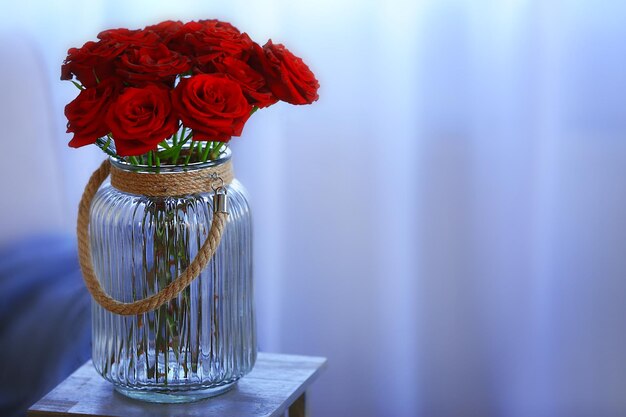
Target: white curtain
x,y
447,223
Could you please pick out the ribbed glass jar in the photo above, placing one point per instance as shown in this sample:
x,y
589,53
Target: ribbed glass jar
x,y
201,342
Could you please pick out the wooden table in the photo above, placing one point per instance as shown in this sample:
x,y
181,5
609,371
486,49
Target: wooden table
x,y
277,383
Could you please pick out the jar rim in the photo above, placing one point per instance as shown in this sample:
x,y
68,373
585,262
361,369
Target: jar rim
x,y
224,157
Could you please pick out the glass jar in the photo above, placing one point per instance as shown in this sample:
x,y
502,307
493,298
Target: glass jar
x,y
198,344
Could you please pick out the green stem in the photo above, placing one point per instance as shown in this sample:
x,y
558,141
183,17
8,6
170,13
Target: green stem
x,y
105,148
199,148
215,153
205,154
166,152
190,153
175,156
149,158
183,140
133,160
187,138
177,152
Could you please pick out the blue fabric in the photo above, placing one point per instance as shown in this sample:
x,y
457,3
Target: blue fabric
x,y
45,326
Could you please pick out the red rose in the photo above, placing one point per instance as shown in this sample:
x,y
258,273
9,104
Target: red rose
x,y
213,106
92,63
287,76
252,83
207,40
218,25
151,63
140,118
129,37
166,30
86,113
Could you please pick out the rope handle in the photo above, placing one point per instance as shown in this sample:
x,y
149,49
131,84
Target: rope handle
x,y
165,294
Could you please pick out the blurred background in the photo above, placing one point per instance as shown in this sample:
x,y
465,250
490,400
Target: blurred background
x,y
446,224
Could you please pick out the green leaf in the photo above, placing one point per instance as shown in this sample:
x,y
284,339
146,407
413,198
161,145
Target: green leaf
x,y
78,85
167,154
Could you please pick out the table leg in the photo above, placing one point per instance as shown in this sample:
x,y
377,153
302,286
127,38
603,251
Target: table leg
x,y
298,408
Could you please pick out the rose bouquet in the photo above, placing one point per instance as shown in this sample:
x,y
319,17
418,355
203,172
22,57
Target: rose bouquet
x,y
175,93
173,319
